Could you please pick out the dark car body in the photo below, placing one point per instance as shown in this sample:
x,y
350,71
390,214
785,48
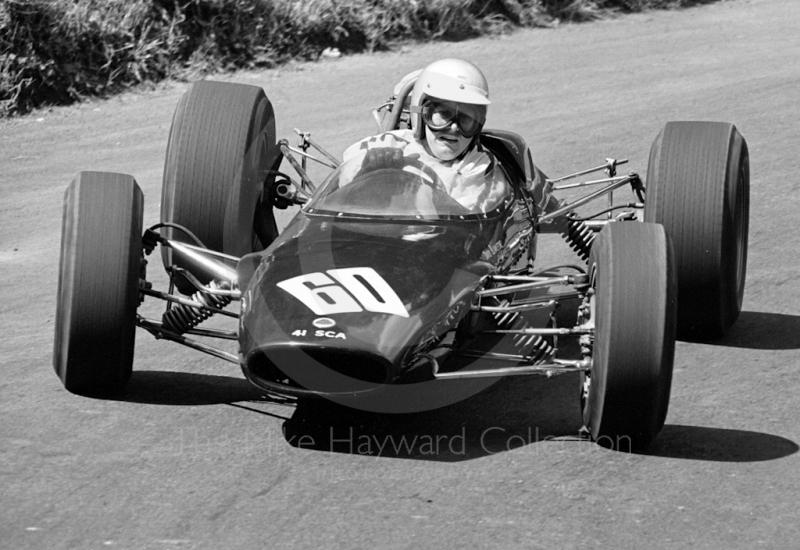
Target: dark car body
x,y
361,268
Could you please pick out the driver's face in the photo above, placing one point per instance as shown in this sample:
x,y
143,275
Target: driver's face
x,y
448,143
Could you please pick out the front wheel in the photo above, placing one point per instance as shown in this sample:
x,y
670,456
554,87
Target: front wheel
x,y
219,164
98,282
632,305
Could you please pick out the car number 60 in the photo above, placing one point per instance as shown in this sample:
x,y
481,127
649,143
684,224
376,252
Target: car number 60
x,y
358,289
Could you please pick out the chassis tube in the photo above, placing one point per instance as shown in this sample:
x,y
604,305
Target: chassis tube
x,y
583,200
524,286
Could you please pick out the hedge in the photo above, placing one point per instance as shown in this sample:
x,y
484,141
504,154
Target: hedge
x,y
59,51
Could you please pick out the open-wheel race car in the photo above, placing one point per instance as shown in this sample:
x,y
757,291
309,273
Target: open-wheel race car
x,y
383,282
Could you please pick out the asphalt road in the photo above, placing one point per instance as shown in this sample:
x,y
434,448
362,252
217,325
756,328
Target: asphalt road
x,y
191,457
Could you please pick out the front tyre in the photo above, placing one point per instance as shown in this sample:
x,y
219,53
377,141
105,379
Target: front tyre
x,y
98,282
625,395
698,188
220,154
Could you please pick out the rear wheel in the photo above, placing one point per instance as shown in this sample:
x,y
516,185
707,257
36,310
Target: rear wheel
x,y
625,395
98,283
698,188
220,153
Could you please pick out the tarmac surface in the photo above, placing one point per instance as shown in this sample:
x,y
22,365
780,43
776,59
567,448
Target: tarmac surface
x,y
190,456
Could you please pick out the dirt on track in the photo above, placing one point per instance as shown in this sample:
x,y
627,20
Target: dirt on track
x,y
191,457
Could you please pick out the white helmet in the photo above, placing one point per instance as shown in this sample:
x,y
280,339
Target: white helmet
x,y
452,80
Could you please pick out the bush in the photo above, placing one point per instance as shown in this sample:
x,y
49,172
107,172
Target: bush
x,y
58,51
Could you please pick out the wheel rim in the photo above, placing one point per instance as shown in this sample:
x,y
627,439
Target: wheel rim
x,y
588,317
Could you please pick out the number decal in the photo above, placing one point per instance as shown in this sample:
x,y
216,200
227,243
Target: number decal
x,y
358,288
323,297
370,289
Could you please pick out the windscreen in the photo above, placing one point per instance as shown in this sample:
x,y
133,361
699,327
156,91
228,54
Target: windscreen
x,y
409,187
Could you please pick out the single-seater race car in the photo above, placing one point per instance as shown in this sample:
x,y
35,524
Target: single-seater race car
x,y
383,287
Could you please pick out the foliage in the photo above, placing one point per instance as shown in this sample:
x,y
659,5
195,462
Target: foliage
x,y
57,51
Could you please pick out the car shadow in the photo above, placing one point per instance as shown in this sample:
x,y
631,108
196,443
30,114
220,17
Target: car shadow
x,y
188,389
533,413
496,420
762,331
719,445
530,412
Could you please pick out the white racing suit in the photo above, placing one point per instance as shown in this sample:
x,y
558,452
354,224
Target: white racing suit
x,y
466,179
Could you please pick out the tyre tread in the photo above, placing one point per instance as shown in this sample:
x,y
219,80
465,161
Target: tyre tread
x,y
98,282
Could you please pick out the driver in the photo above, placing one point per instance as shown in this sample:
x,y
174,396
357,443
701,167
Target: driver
x,y
448,110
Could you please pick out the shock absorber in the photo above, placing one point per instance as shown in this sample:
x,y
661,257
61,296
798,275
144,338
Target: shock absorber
x,y
181,318
578,236
534,346
540,350
504,320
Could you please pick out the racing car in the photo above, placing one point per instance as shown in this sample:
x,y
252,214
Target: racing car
x,y
382,286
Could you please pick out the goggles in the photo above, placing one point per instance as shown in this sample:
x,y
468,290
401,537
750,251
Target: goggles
x,y
439,115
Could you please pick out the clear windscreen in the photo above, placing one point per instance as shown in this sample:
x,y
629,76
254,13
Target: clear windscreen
x,y
408,188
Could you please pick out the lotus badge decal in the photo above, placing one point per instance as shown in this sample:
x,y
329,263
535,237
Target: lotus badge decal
x,y
347,290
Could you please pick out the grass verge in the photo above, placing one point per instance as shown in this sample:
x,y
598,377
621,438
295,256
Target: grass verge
x,y
59,51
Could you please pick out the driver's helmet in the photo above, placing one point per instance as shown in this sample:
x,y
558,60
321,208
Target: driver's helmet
x,y
449,79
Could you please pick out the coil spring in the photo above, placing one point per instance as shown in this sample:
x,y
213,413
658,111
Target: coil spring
x,y
181,318
532,345
504,320
579,237
538,348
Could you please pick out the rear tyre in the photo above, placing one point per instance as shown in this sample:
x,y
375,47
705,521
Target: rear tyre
x,y
625,396
98,282
220,153
698,188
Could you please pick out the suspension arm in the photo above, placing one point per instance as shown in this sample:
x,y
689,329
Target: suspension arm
x,y
310,157
616,183
157,329
305,180
515,308
568,279
557,366
306,137
610,166
545,331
